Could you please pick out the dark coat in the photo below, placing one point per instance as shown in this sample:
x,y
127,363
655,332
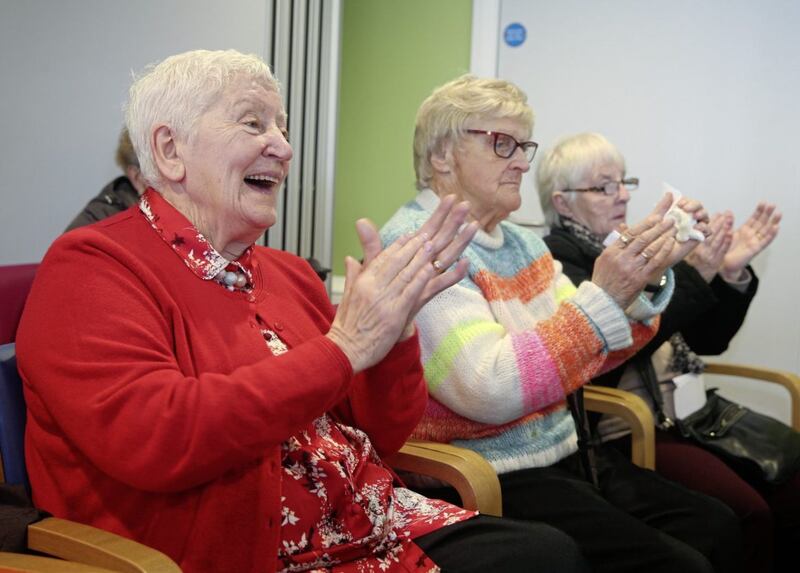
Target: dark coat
x,y
117,196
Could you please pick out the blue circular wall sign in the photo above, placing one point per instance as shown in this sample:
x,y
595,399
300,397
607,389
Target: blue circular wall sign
x,y
515,34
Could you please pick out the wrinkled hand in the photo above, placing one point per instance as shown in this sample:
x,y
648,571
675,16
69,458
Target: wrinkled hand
x,y
384,292
642,252
750,239
707,257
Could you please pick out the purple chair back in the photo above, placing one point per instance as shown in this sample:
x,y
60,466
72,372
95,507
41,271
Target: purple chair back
x,y
15,283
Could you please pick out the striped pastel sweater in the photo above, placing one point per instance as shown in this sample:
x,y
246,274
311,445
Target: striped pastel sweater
x,y
503,348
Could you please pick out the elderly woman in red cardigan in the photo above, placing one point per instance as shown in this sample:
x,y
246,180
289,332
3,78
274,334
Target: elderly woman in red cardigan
x,y
198,393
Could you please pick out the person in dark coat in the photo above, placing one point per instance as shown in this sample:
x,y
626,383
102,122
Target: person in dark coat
x,y
584,191
120,193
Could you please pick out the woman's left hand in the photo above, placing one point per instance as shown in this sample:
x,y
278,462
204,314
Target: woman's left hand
x,y
707,257
750,239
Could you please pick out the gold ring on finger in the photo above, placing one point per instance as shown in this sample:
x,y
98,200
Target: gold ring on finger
x,y
626,239
437,265
645,255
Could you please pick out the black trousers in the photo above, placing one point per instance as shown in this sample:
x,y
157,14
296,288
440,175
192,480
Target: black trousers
x,y
635,521
486,544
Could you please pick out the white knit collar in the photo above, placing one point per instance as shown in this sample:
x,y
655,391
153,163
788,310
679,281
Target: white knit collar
x,y
429,200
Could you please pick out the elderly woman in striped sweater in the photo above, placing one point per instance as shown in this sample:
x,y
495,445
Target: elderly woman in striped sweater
x,y
504,347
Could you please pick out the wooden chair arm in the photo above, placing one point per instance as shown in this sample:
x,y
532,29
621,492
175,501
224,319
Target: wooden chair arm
x,y
634,411
23,563
470,474
101,549
786,379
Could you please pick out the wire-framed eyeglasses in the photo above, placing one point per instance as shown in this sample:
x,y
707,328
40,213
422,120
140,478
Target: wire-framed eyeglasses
x,y
610,188
505,145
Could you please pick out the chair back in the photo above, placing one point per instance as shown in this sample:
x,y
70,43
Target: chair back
x,y
15,284
12,420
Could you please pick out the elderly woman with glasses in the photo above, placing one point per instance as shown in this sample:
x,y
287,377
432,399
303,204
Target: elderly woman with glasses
x,y
196,392
505,347
584,192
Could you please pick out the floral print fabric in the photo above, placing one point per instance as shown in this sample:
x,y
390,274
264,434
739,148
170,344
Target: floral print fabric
x,y
342,512
187,242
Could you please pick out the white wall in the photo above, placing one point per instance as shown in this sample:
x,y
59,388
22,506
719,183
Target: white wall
x,y
703,95
65,68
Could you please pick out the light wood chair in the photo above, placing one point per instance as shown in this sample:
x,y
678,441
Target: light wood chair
x,y
466,471
84,549
635,412
788,380
18,563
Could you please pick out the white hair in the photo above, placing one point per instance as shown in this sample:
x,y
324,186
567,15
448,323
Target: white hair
x,y
442,116
568,164
179,89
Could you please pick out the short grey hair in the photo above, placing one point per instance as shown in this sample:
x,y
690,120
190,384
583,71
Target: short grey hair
x,y
568,164
179,89
442,116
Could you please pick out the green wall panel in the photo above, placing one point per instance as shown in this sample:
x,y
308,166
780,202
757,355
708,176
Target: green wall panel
x,y
394,52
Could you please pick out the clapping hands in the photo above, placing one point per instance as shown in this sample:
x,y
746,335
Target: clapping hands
x,y
384,292
644,252
728,252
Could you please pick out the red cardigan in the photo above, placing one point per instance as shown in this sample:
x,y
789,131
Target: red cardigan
x,y
156,411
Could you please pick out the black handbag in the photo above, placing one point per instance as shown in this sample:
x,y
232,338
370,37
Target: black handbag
x,y
754,445
757,447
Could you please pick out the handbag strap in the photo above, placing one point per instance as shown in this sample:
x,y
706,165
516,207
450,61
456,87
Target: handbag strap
x,y
585,447
647,374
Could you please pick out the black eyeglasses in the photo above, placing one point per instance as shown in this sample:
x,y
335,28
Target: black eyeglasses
x,y
505,145
610,188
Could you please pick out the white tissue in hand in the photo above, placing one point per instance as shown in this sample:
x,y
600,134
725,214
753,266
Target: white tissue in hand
x,y
684,222
611,237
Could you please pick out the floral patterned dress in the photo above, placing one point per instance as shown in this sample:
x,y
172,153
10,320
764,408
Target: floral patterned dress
x,y
341,509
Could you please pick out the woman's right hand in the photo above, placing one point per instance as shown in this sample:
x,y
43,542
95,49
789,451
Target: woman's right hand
x,y
384,292
642,252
